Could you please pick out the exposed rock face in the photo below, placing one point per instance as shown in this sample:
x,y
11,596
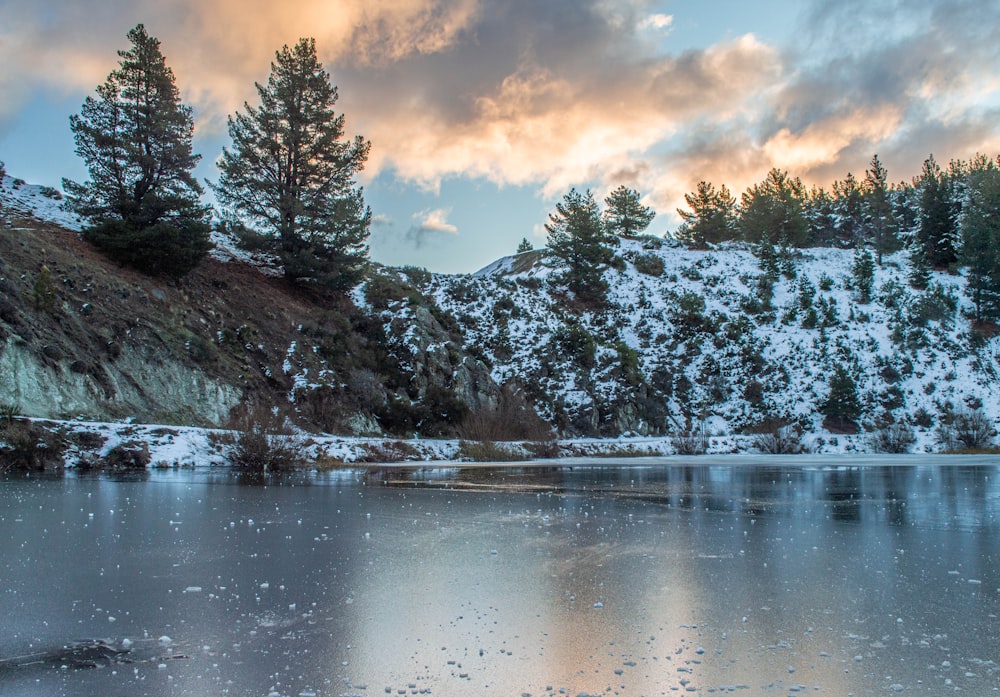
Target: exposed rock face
x,y
139,384
112,344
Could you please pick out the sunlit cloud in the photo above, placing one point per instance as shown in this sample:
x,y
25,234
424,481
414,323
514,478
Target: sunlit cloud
x,y
657,21
562,93
435,221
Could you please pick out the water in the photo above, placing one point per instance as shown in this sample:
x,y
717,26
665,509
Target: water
x,y
761,580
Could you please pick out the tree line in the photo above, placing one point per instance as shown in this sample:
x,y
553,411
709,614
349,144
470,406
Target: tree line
x,y
288,181
288,177
943,219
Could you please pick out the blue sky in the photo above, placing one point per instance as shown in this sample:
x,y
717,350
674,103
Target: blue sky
x,y
483,113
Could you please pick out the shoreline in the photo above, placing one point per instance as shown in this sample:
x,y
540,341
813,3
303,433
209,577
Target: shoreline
x,y
83,445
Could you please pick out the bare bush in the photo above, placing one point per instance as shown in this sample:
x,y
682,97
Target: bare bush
x,y
691,442
487,451
128,455
389,451
965,429
895,438
263,443
543,449
26,445
785,440
511,418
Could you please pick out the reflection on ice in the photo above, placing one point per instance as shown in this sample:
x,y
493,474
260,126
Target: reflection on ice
x,y
659,579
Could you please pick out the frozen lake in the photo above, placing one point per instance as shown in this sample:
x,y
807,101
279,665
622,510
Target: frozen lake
x,y
768,579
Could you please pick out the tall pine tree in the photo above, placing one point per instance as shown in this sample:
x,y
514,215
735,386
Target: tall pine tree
x,y
291,174
981,239
624,213
711,218
142,200
773,211
578,241
937,234
879,220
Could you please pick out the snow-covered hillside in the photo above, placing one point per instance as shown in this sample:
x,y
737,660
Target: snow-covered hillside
x,y
18,198
712,350
699,347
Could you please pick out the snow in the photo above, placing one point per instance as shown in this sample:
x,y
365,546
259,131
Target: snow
x,y
511,313
944,366
44,203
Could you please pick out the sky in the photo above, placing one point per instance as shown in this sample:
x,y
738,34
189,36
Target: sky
x,y
484,113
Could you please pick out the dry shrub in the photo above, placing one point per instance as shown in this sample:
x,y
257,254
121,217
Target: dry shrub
x,y
691,442
966,429
26,446
511,418
389,451
263,442
128,455
894,438
543,449
785,440
487,451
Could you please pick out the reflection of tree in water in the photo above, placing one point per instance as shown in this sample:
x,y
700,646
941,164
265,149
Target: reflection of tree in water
x,y
898,482
844,491
963,492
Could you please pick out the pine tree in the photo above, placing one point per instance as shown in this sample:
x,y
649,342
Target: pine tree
x,y
525,246
712,218
936,233
142,200
291,174
578,241
877,210
863,272
773,211
842,406
847,205
822,217
981,240
624,214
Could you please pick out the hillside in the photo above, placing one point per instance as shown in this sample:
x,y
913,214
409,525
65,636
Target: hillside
x,y
706,349
83,338
706,343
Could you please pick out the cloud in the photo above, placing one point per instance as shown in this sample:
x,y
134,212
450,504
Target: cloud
x,y
429,226
435,221
657,21
564,92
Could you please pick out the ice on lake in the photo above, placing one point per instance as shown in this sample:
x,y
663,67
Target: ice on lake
x,y
760,579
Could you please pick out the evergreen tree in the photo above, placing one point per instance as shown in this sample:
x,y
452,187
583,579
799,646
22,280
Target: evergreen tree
x,y
879,220
525,246
863,272
822,217
936,233
712,218
920,271
981,239
773,211
290,174
847,205
625,215
842,406
578,241
142,200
